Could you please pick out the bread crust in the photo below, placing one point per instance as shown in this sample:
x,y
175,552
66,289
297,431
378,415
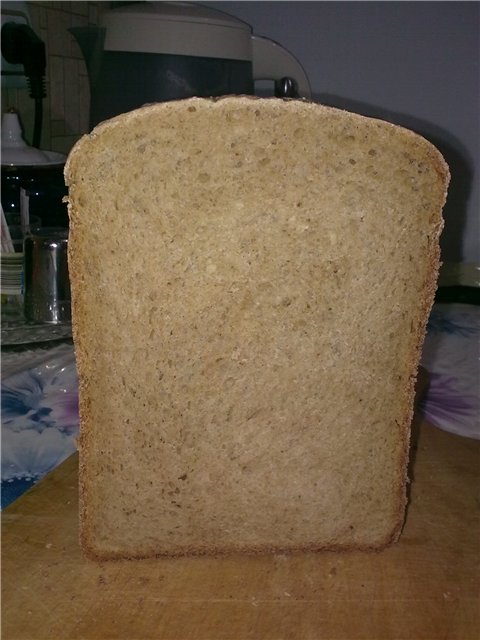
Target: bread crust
x,y
74,170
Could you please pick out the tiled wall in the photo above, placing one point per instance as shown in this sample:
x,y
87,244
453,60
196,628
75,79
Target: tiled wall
x,y
67,102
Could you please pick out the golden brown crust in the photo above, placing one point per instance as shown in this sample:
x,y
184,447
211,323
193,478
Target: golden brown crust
x,y
233,551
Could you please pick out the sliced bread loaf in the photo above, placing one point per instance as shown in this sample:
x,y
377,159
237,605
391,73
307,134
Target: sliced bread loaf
x,y
251,280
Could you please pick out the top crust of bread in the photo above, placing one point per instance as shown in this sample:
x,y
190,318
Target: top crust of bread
x,y
251,280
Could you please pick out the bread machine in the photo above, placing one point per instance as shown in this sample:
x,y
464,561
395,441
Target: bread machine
x,y
146,52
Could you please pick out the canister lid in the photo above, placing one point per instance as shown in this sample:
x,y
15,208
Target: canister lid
x,y
178,28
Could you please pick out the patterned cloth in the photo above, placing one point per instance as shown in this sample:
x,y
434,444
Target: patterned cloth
x,y
451,355
40,396
39,415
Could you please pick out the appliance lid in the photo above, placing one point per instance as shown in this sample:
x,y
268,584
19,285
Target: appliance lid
x,y
177,28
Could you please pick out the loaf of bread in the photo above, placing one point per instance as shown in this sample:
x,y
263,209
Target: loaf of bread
x,y
251,280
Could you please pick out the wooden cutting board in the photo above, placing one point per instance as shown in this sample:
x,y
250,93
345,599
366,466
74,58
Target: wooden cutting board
x,y
424,587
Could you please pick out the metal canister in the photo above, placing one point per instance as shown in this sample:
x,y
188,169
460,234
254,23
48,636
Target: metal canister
x,y
46,280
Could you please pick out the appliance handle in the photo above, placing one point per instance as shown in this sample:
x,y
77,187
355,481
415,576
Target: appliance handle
x,y
272,62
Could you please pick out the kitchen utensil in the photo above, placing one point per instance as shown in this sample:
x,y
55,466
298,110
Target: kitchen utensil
x,y
46,281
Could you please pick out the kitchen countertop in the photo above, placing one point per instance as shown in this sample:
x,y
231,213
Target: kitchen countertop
x,y
426,586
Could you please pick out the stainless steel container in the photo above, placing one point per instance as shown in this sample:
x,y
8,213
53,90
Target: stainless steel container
x,y
46,281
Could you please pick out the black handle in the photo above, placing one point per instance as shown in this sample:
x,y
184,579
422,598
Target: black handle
x,y
286,88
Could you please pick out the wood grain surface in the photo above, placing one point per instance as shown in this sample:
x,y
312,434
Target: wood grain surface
x,y
425,587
